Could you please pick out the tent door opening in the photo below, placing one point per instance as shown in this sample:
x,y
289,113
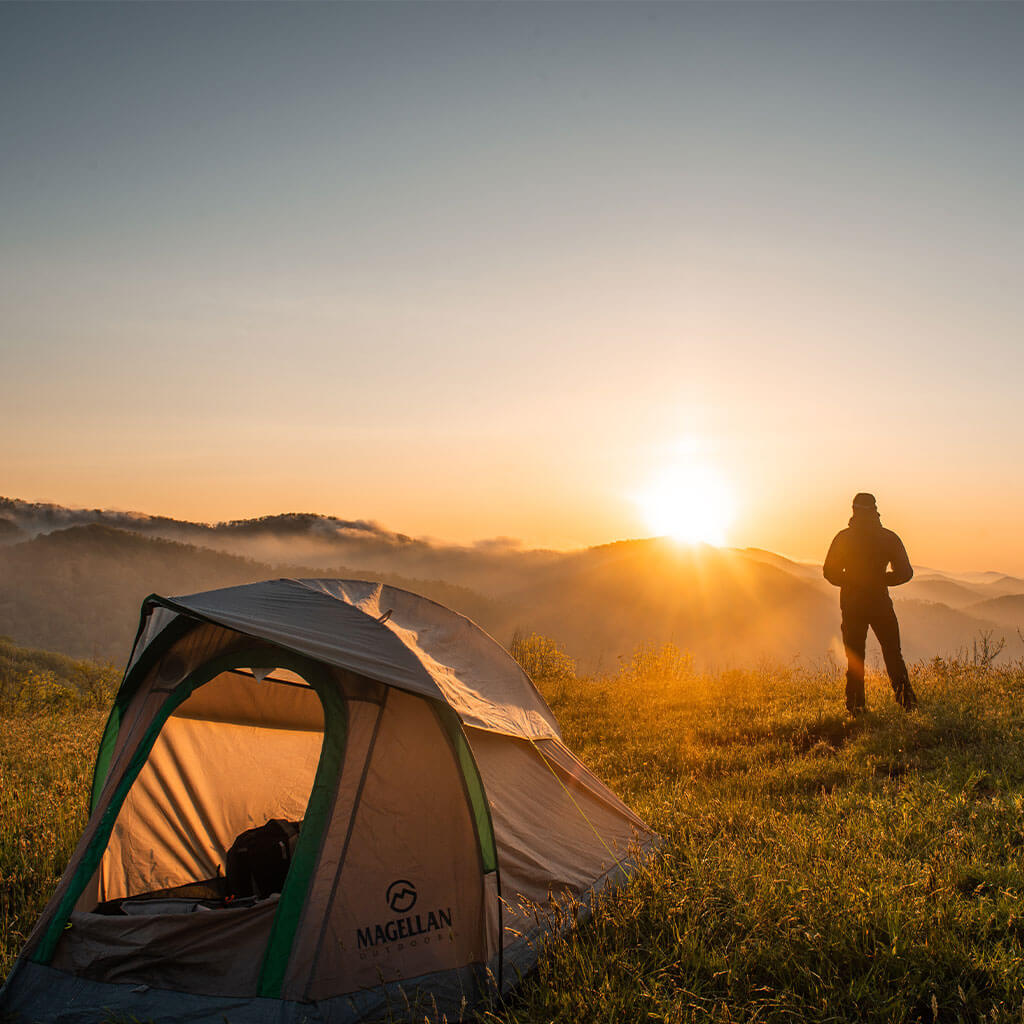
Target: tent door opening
x,y
211,837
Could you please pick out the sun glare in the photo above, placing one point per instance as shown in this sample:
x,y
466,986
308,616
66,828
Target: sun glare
x,y
689,502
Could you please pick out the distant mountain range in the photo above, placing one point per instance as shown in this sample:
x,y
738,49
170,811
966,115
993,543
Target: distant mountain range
x,y
72,580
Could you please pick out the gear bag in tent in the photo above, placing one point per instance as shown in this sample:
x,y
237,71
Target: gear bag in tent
x,y
259,858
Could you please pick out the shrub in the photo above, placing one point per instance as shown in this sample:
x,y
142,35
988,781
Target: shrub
x,y
652,662
36,680
542,658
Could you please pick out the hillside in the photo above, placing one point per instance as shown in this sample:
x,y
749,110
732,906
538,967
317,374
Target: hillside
x,y
79,590
941,590
1002,586
10,531
1007,612
76,585
814,868
724,607
38,680
317,542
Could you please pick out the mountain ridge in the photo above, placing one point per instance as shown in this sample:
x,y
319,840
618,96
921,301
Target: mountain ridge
x,y
728,606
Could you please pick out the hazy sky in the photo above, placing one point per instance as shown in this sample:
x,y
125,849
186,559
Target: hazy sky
x,y
478,270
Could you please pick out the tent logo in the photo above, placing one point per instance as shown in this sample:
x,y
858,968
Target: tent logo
x,y
401,896
406,928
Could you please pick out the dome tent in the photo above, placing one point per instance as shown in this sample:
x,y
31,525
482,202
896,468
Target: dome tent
x,y
441,818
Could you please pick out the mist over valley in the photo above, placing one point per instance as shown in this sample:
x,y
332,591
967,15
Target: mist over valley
x,y
72,580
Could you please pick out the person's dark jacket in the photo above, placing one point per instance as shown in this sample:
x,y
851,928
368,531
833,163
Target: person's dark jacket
x,y
859,558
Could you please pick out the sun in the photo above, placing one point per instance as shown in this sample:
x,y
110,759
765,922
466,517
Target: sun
x,y
689,502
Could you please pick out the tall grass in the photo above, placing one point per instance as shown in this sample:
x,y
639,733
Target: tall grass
x,y
814,867
44,778
52,711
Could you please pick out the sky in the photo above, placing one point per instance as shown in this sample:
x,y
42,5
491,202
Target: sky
x,y
510,269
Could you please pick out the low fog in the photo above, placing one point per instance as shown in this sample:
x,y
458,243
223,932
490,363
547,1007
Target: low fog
x,y
72,580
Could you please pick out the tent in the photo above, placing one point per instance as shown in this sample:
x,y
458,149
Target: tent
x,y
443,828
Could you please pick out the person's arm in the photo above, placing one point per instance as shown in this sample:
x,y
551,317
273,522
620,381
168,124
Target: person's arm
x,y
902,571
833,569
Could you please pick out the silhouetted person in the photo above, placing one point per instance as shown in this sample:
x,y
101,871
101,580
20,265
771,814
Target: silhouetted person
x,y
858,563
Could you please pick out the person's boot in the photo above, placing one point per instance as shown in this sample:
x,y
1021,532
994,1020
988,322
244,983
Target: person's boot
x,y
905,696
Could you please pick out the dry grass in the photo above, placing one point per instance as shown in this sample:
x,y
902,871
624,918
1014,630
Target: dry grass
x,y
815,868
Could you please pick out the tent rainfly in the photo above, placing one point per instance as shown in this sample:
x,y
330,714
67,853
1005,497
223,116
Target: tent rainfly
x,y
427,826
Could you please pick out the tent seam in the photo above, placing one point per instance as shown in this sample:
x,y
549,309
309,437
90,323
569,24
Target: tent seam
x,y
348,838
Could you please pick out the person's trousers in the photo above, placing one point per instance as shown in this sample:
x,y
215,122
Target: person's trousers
x,y
880,617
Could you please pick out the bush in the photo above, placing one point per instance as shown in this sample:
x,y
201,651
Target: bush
x,y
32,680
542,658
658,663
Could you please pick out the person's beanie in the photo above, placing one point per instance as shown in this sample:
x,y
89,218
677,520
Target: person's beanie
x,y
865,501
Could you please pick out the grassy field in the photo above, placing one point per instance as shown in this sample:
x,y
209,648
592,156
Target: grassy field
x,y
814,867
52,712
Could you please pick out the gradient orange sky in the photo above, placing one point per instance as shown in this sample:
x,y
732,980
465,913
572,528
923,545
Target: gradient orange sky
x,y
490,270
